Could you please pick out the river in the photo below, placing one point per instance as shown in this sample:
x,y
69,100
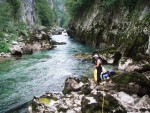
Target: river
x,y
45,71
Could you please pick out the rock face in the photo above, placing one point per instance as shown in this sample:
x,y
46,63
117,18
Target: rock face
x,y
120,25
28,12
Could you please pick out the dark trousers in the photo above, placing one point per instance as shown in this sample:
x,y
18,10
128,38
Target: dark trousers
x,y
99,70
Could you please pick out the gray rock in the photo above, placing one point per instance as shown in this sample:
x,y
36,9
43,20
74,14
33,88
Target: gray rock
x,y
16,50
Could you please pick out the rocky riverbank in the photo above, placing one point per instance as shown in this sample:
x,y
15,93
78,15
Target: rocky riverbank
x,y
127,91
37,40
84,96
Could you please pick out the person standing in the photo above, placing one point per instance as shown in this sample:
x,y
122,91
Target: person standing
x,y
98,65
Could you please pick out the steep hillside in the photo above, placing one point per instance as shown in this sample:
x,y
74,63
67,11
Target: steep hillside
x,y
121,24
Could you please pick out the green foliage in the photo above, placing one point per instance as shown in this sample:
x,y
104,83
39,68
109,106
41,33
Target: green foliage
x,y
77,7
46,15
129,3
15,6
4,15
64,20
108,3
60,12
4,46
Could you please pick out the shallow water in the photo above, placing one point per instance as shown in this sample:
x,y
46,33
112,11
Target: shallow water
x,y
46,71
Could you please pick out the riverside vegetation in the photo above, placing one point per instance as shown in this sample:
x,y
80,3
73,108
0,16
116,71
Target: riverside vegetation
x,y
20,18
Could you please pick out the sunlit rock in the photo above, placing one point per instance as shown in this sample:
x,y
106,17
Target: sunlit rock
x,y
143,103
125,99
16,50
128,64
71,84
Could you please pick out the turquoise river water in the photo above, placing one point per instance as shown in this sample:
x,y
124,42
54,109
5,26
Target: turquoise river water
x,y
46,71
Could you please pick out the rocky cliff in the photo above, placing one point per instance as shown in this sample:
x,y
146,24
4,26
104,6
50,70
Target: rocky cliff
x,y
28,11
124,25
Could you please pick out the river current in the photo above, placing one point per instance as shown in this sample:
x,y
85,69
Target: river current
x,y
45,71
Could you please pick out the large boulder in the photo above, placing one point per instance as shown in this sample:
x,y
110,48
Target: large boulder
x,y
76,85
72,84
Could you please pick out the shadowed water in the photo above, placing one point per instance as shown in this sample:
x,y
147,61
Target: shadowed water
x,y
33,75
